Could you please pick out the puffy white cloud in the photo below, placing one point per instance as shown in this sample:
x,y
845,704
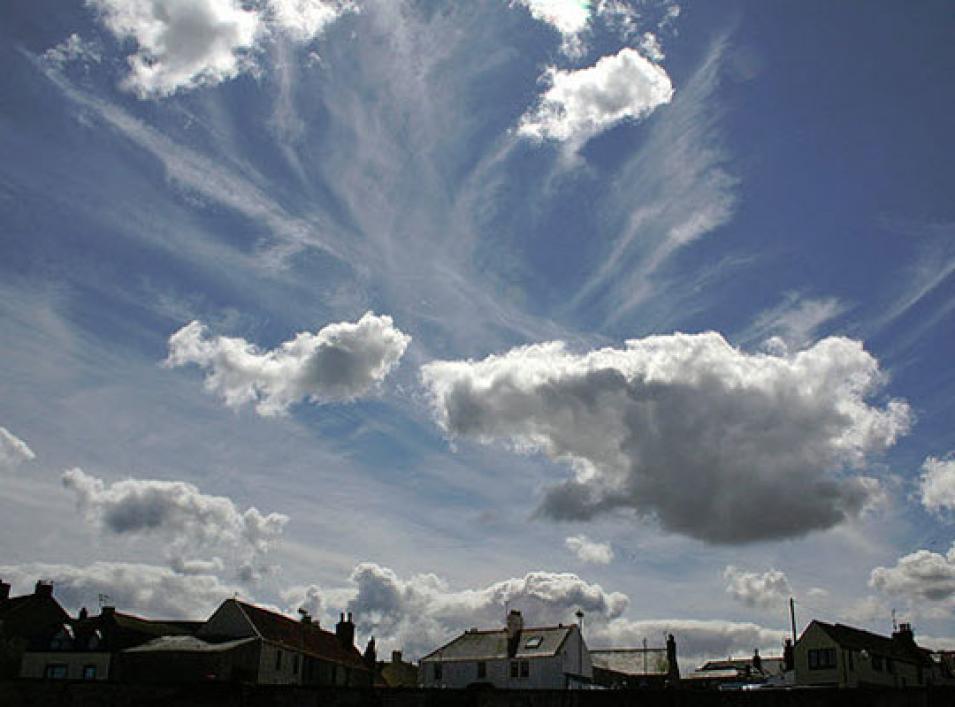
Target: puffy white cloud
x,y
569,17
73,48
339,363
181,44
156,592
588,550
422,612
922,576
176,511
13,451
767,589
937,484
696,641
304,20
580,104
716,443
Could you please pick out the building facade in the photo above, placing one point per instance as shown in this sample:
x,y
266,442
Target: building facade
x,y
515,657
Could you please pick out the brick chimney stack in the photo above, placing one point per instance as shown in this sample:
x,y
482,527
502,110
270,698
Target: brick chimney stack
x,y
904,635
515,624
345,630
4,592
43,589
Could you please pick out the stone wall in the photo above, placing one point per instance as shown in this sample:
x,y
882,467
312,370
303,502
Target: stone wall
x,y
26,693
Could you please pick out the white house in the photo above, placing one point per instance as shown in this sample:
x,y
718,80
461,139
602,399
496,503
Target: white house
x,y
515,657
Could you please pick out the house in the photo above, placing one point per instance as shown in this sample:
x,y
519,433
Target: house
x,y
843,656
86,648
735,673
632,668
25,621
397,672
514,657
241,642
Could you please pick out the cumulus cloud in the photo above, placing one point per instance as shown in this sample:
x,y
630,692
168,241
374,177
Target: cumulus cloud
x,y
587,550
176,511
922,576
937,484
755,589
715,443
157,592
303,20
181,44
186,44
696,640
339,363
73,48
580,104
422,612
13,451
569,17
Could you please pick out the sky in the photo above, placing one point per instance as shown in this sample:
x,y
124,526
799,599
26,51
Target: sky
x,y
426,310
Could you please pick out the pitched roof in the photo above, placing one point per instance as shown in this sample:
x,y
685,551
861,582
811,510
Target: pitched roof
x,y
187,644
300,636
859,639
492,645
630,661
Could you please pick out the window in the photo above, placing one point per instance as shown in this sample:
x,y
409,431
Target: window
x,y
514,668
89,672
438,672
525,668
278,659
482,669
822,658
534,642
877,663
55,671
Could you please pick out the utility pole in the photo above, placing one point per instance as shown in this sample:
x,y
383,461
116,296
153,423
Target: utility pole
x,y
792,617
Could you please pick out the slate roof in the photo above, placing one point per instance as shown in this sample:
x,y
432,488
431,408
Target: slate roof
x,y
770,666
299,636
630,661
492,645
187,644
858,639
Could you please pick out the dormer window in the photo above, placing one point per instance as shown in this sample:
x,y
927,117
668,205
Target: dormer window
x,y
534,642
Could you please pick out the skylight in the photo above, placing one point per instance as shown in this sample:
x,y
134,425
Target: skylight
x,y
534,642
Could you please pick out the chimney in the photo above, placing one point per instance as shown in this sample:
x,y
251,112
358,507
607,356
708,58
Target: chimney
x,y
4,591
371,654
789,656
107,612
515,624
395,657
345,630
83,613
757,661
673,667
43,589
904,635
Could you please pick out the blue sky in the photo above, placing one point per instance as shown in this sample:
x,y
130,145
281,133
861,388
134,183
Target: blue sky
x,y
735,217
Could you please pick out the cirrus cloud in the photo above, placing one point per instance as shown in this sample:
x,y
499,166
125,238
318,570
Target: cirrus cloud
x,y
715,443
13,451
339,363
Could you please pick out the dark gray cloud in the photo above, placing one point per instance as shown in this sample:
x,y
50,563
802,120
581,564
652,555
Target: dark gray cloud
x,y
715,443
